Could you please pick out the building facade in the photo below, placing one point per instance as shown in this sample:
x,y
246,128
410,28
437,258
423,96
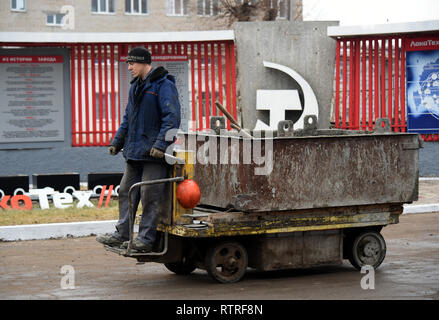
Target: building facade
x,y
128,15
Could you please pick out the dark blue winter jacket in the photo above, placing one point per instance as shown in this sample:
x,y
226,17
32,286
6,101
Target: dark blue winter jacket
x,y
149,114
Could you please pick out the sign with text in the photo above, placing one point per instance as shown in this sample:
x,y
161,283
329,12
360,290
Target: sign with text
x,y
61,200
31,99
422,69
177,65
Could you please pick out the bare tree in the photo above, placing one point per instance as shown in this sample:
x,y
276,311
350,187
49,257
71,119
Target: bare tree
x,y
260,10
268,9
297,11
249,10
236,10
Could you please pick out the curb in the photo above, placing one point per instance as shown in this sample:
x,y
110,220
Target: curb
x,y
90,228
421,208
57,230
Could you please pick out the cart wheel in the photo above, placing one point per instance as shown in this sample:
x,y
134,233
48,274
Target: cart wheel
x,y
181,268
226,262
368,248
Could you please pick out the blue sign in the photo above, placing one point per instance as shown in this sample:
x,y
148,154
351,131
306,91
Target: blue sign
x,y
423,91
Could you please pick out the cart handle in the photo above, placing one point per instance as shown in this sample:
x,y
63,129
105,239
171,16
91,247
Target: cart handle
x,y
130,203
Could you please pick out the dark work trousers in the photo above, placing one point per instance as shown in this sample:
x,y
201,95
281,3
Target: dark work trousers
x,y
152,197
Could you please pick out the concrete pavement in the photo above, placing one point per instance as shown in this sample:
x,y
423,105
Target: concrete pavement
x,y
38,269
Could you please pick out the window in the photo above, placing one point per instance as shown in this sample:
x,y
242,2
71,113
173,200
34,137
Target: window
x,y
18,5
177,7
102,6
282,7
208,7
54,19
252,2
136,6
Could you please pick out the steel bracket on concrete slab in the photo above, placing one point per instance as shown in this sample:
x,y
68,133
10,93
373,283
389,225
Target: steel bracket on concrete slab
x,y
285,128
217,123
382,125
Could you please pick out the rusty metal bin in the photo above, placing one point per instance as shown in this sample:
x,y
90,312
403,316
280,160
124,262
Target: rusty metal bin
x,y
315,172
325,197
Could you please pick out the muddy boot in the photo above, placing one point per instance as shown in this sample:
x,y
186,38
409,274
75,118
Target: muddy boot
x,y
109,240
140,246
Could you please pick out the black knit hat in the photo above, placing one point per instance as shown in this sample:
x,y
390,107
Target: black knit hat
x,y
140,55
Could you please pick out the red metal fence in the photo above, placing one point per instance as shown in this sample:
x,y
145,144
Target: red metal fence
x,y
95,85
370,83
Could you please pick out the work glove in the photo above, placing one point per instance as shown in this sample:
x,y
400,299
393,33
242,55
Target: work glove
x,y
156,153
112,150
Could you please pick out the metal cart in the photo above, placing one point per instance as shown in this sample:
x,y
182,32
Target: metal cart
x,y
327,197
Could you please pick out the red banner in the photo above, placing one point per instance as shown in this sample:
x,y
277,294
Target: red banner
x,y
421,44
30,59
165,57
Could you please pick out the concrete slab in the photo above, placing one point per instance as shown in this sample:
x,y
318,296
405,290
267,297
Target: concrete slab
x,y
57,230
421,208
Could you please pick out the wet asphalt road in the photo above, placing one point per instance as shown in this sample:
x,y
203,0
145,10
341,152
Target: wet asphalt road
x,y
32,270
